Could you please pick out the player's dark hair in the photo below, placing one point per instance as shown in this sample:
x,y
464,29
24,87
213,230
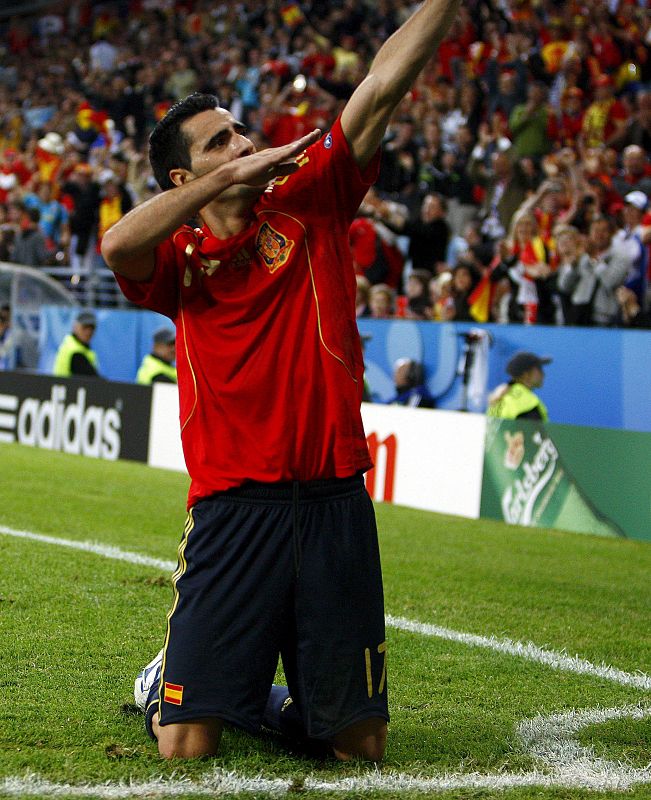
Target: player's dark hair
x,y
169,147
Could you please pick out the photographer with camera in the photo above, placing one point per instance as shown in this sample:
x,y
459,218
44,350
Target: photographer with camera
x,y
409,379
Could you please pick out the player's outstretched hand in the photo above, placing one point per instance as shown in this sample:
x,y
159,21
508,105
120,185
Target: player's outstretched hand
x,y
260,168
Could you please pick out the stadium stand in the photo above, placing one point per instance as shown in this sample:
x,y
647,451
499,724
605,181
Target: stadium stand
x,y
528,108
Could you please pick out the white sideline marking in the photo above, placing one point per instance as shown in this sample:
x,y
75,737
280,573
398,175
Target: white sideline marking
x,y
529,651
93,547
547,739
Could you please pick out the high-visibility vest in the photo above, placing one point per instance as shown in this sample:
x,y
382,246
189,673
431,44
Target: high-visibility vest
x,y
515,401
69,346
151,367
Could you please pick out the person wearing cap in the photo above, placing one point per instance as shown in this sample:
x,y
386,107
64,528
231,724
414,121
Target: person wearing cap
x,y
632,239
48,156
516,399
158,366
75,356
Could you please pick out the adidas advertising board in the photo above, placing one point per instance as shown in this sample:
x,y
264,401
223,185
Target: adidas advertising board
x,y
87,417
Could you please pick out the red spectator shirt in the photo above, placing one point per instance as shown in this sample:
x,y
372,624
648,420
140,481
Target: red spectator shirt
x,y
269,360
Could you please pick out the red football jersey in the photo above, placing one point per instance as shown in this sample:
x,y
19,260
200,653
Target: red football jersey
x,y
268,354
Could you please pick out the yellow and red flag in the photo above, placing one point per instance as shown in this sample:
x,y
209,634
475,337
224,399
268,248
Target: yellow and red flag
x,y
292,15
89,117
173,693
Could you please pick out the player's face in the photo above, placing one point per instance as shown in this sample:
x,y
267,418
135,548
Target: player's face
x,y
216,138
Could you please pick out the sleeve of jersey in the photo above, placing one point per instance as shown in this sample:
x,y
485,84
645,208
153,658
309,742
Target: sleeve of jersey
x,y
330,180
161,292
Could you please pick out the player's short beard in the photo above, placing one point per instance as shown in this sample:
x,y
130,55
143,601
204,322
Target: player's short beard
x,y
240,191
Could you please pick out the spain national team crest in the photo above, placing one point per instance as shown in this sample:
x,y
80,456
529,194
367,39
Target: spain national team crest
x,y
273,247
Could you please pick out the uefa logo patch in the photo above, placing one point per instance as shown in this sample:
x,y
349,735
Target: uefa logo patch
x,y
327,142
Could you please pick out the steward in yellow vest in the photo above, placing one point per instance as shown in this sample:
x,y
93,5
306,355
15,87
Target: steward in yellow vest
x,y
157,367
515,399
75,356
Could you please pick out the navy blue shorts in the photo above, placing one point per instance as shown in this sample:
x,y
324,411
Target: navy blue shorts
x,y
278,569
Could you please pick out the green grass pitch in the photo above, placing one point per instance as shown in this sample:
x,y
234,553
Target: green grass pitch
x,y
75,628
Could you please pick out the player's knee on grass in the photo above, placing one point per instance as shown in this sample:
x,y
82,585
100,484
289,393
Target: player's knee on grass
x,y
365,739
189,739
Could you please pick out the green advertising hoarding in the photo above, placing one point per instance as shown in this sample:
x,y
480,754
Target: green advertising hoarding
x,y
572,478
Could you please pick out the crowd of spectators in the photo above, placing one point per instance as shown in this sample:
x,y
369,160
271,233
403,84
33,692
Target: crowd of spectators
x,y
515,179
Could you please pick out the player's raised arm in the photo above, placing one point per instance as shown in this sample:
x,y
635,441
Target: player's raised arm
x,y
129,246
393,71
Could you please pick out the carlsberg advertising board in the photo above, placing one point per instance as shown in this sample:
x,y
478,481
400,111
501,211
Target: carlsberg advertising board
x,y
525,482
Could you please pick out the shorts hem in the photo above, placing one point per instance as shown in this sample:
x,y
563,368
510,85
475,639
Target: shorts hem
x,y
224,716
351,720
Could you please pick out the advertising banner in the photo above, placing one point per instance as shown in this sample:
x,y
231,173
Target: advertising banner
x,y
87,417
526,482
459,369
612,468
423,458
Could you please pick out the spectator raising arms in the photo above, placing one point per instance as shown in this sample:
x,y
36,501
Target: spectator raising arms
x,y
575,281
428,233
525,265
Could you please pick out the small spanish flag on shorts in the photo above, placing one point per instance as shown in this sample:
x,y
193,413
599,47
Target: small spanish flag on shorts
x,y
173,693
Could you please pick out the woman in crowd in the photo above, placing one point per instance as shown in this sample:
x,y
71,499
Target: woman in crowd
x,y
525,265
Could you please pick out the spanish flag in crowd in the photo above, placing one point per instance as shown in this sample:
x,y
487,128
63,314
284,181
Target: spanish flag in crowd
x,y
88,117
533,252
292,15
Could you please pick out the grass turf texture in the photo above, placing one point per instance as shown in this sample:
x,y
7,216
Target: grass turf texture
x,y
75,628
